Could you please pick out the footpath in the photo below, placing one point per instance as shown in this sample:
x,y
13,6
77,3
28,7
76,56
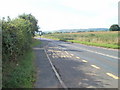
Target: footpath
x,y
45,77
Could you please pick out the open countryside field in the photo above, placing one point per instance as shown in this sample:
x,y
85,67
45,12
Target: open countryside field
x,y
108,39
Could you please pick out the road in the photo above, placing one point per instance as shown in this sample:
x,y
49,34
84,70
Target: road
x,y
82,66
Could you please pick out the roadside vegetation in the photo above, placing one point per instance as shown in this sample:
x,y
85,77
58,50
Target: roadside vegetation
x,y
108,39
18,70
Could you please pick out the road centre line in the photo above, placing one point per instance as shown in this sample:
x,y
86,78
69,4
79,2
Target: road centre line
x,y
78,57
84,61
100,53
113,76
71,54
109,74
66,52
95,66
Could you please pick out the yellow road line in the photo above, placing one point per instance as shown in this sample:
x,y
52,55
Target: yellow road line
x,y
78,57
95,66
57,51
53,56
113,76
71,54
64,56
50,50
84,61
66,52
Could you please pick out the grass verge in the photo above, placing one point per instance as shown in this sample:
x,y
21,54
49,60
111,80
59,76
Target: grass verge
x,y
35,42
20,74
96,44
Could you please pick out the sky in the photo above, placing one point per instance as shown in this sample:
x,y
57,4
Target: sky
x,y
64,14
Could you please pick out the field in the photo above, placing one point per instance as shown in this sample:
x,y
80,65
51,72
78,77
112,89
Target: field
x,y
108,39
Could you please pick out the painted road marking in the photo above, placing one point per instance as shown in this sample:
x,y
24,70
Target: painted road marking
x,y
66,55
56,73
71,54
84,61
57,51
62,56
53,56
66,52
78,57
113,76
95,66
101,53
50,50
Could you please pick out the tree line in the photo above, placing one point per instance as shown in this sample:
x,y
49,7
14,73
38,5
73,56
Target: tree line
x,y
17,36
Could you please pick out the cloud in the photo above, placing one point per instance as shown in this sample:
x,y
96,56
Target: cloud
x,y
60,14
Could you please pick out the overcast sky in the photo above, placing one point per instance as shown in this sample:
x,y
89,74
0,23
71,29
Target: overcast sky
x,y
64,14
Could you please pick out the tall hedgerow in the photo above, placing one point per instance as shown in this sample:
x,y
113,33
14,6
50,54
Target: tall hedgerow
x,y
17,36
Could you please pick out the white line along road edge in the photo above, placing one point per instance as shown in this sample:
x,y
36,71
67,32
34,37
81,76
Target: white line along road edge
x,y
57,75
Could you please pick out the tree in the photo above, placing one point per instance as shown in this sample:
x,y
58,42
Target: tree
x,y
114,27
32,20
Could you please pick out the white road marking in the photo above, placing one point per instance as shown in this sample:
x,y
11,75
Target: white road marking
x,y
101,53
78,57
66,52
113,76
64,56
56,73
84,61
57,51
95,66
71,54
53,57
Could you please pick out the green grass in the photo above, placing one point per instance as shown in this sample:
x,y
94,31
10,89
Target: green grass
x,y
20,73
96,44
35,42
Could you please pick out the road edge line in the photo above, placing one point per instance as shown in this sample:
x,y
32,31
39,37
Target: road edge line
x,y
56,73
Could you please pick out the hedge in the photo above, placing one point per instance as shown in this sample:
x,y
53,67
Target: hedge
x,y
17,36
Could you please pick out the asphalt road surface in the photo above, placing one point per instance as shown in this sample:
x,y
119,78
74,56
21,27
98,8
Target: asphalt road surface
x,y
82,66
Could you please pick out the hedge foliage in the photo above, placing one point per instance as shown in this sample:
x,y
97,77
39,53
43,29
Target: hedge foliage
x,y
17,36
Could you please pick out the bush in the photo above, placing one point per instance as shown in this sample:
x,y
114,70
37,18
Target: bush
x,y
65,39
17,37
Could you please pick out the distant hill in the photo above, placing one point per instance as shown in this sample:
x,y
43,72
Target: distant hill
x,y
78,30
83,30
